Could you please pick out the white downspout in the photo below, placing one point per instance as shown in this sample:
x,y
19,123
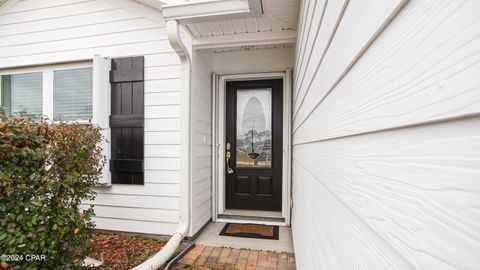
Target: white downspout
x,y
168,250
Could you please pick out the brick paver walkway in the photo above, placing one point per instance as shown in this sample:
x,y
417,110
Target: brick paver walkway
x,y
209,258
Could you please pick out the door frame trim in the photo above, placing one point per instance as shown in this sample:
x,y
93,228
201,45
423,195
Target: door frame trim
x,y
218,141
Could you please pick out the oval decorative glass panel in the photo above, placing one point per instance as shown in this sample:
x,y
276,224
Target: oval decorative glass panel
x,y
254,128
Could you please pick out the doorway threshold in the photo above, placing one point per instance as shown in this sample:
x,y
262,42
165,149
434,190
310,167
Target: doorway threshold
x,y
252,216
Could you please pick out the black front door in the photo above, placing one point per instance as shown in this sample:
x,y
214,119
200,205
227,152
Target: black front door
x,y
254,145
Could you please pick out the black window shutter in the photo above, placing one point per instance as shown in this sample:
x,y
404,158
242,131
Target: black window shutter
x,y
126,120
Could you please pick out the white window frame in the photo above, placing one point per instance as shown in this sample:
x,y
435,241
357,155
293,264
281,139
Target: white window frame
x,y
47,77
100,97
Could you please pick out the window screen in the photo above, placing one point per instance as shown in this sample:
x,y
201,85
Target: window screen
x,y
72,94
22,94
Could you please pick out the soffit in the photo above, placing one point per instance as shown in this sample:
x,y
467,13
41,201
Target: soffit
x,y
277,16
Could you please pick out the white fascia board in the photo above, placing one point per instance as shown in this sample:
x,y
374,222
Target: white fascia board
x,y
152,3
192,12
246,39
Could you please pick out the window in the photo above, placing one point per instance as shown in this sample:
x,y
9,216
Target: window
x,y
63,92
72,94
22,94
56,93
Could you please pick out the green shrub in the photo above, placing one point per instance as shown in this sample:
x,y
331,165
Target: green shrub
x,y
46,171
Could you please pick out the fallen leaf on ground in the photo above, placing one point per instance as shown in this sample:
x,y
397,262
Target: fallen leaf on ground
x,y
122,252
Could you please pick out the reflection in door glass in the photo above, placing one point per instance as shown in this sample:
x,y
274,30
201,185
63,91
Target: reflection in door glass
x,y
254,128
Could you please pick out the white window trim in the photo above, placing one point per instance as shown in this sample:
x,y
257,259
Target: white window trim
x,y
100,99
48,93
47,77
101,110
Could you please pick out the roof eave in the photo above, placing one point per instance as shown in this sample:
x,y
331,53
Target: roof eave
x,y
191,12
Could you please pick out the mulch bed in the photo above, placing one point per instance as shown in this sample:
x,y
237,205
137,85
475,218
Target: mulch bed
x,y
119,252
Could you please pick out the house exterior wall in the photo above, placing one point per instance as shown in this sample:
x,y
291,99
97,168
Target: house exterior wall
x,y
201,110
39,32
386,135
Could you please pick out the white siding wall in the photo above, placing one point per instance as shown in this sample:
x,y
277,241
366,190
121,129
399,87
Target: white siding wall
x,y
42,32
201,111
386,135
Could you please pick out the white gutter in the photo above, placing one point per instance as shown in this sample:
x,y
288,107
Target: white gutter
x,y
168,250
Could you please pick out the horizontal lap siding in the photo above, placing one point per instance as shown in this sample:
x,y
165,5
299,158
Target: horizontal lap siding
x,y
386,144
201,140
423,71
42,32
127,225
327,235
76,30
352,33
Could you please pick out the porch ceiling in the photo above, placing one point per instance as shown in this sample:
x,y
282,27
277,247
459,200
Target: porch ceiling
x,y
219,24
277,16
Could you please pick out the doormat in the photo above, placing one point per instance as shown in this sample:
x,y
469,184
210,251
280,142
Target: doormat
x,y
250,231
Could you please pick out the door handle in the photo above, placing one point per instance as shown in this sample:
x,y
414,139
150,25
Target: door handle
x,y
228,155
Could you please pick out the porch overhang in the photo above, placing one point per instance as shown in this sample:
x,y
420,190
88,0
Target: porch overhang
x,y
192,12
216,24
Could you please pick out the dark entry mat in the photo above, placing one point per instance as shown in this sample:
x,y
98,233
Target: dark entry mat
x,y
250,231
